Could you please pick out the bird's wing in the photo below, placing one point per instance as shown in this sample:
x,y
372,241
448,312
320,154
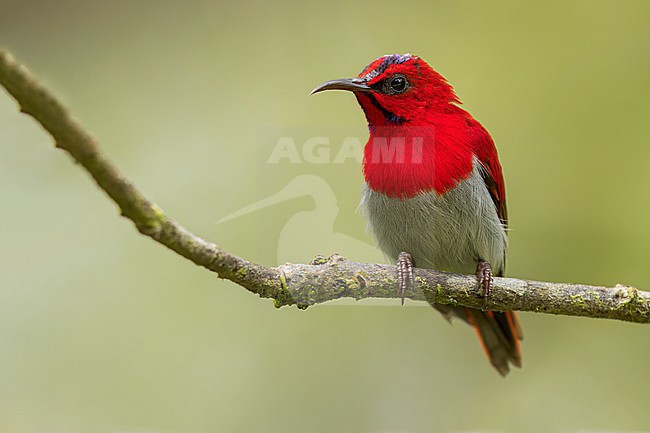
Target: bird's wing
x,y
486,152
492,174
494,182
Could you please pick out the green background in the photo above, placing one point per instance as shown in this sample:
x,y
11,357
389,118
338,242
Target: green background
x,y
103,330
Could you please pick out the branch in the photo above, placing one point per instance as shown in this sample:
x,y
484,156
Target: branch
x,y
323,279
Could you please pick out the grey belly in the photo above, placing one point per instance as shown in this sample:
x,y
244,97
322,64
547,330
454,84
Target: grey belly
x,y
450,232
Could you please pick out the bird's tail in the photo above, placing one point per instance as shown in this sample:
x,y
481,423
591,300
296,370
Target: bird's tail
x,y
499,334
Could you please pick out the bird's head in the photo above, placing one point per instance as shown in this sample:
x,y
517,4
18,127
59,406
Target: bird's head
x,y
396,89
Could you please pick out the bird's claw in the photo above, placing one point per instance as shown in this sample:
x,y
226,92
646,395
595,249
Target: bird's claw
x,y
484,276
404,273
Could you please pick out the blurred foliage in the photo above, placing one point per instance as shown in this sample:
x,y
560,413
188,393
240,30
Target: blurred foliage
x,y
102,330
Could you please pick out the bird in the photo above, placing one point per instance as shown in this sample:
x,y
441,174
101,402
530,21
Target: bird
x,y
434,192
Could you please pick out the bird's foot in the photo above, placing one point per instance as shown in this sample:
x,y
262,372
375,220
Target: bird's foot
x,y
484,277
404,273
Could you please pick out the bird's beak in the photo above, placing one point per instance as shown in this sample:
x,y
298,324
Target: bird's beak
x,y
350,84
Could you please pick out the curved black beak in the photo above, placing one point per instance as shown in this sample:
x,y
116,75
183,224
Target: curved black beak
x,y
350,84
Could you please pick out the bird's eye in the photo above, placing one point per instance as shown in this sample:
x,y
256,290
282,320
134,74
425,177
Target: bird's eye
x,y
396,84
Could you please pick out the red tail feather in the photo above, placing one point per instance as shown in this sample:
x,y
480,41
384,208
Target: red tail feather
x,y
499,334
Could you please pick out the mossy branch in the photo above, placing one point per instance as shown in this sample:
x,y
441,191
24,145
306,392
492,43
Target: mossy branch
x,y
324,279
